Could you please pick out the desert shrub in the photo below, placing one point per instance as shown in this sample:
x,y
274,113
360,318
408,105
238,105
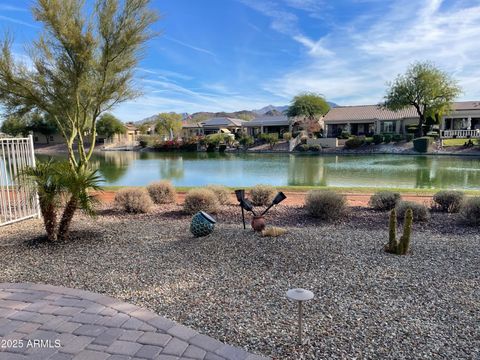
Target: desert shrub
x,y
387,138
344,135
262,195
162,192
448,201
470,211
325,204
369,140
397,137
315,148
287,136
422,144
377,139
354,143
221,192
409,137
133,200
303,147
246,140
200,200
384,200
420,211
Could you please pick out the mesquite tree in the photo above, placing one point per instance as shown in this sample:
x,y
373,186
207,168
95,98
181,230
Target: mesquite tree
x,y
429,90
82,66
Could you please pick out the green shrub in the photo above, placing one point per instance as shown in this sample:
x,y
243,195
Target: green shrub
x,y
368,140
325,204
315,148
262,195
246,140
397,137
162,192
470,211
133,200
287,136
448,201
221,192
354,142
422,144
143,141
387,138
200,200
384,200
420,211
409,137
377,139
303,147
344,135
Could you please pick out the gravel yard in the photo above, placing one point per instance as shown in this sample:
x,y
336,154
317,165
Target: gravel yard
x,y
231,285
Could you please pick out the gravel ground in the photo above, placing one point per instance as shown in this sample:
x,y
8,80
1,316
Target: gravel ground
x,y
231,285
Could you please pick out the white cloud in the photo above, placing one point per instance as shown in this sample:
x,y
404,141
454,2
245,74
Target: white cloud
x,y
193,47
360,59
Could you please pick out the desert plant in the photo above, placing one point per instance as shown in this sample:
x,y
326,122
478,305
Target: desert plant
x,y
221,192
420,211
470,211
162,192
384,200
133,200
287,136
401,246
262,195
344,135
315,148
448,201
377,139
354,142
200,200
303,147
246,140
325,204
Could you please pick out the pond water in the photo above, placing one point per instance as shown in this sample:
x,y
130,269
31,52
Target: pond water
x,y
194,169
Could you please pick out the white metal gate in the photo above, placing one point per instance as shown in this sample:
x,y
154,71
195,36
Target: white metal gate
x,y
18,200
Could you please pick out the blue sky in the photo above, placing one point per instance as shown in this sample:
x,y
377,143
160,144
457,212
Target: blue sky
x,y
229,55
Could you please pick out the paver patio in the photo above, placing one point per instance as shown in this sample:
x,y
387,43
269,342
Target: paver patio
x,y
40,321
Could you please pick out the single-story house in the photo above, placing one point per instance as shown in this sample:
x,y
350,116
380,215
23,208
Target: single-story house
x,y
373,119
268,124
51,139
221,124
129,137
191,130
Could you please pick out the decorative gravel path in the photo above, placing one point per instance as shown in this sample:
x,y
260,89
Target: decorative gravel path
x,y
40,321
231,285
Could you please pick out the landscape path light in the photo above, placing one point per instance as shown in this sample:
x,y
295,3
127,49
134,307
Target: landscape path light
x,y
300,295
240,194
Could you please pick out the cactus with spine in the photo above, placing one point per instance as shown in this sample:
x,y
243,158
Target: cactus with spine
x,y
402,246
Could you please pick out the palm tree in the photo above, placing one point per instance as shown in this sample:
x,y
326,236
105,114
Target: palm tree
x,y
55,181
44,178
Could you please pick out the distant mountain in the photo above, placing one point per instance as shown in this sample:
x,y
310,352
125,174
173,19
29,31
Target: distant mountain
x,y
270,110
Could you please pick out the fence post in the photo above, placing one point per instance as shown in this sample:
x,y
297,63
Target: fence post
x,y
32,159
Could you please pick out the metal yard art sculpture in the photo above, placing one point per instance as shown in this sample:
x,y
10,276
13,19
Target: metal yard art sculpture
x,y
258,221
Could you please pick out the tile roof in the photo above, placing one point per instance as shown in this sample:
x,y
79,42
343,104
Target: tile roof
x,y
367,112
278,120
375,112
223,121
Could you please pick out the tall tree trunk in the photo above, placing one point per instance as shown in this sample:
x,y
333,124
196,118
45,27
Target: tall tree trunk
x,y
421,121
67,216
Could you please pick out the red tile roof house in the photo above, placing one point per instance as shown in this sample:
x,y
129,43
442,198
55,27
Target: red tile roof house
x,y
463,121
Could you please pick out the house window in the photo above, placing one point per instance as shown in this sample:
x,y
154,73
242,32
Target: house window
x,y
388,127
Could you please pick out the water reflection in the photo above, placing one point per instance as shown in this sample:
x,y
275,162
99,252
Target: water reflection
x,y
193,169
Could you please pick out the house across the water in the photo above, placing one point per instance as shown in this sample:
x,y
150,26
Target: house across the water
x,y
462,121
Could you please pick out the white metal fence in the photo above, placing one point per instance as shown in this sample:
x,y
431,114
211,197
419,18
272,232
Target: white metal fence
x,y
18,200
